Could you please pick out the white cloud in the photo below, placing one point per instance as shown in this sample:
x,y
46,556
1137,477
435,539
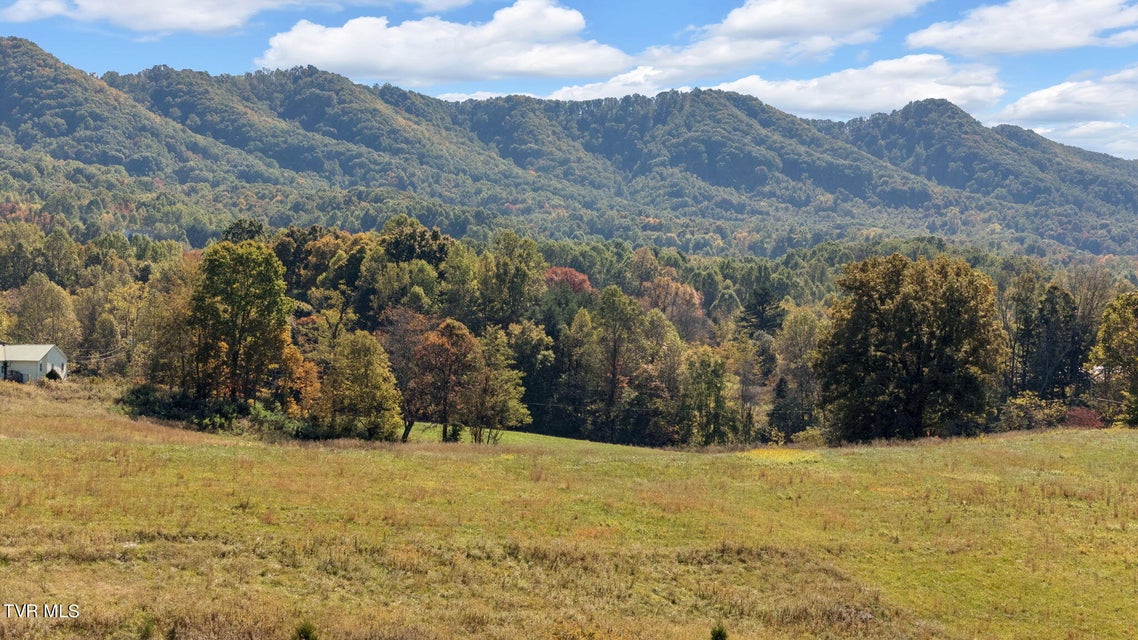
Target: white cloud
x,y
1116,138
710,55
29,10
882,86
1034,25
1094,114
781,19
168,16
644,80
147,15
440,6
760,30
477,95
764,30
1113,96
535,38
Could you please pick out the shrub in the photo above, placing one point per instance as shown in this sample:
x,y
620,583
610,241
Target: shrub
x,y
306,631
1083,418
220,416
454,434
151,400
1028,411
146,629
718,632
274,423
811,437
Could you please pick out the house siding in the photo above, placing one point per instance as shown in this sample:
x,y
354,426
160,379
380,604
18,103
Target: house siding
x,y
33,370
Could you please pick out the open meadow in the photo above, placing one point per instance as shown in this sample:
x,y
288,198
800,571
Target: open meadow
x,y
152,531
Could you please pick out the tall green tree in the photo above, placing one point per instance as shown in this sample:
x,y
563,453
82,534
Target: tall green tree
x,y
459,285
620,324
20,244
359,397
707,419
650,403
579,363
411,284
244,229
240,309
404,239
1048,344
511,279
533,356
914,349
166,347
1059,348
492,390
796,390
60,258
1115,360
45,314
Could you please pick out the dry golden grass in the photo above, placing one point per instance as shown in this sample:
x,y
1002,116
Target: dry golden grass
x,y
149,529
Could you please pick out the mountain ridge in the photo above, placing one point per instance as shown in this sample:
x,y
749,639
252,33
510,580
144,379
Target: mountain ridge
x,y
704,171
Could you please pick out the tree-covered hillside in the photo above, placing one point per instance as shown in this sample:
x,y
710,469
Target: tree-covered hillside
x,y
1059,185
181,154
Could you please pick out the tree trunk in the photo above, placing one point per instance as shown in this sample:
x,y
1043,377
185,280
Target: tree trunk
x,y
408,424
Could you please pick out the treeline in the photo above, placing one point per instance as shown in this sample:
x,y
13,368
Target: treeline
x,y
315,332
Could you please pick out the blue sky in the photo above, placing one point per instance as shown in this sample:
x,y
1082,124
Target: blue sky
x,y
1066,68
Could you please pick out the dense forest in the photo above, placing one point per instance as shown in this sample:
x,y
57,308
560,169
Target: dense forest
x,y
313,332
295,254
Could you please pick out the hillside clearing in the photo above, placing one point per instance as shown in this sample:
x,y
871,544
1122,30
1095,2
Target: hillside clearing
x,y
144,526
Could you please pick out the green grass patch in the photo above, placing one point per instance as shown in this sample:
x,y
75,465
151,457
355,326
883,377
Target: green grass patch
x,y
148,527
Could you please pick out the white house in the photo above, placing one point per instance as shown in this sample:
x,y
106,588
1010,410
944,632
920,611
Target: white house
x,y
31,362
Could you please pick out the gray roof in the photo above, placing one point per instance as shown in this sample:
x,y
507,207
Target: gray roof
x,y
24,352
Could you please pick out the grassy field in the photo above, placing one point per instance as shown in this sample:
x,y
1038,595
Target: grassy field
x,y
153,531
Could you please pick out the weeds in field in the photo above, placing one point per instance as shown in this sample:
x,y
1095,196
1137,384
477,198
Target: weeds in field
x,y
175,534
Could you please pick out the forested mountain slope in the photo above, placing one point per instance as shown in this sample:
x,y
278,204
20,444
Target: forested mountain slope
x,y
50,107
936,140
178,154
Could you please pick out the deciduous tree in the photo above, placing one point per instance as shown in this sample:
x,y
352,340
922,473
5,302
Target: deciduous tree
x,y
443,359
511,278
619,322
6,320
796,391
913,351
706,417
240,308
681,304
45,314
401,332
1115,360
579,361
167,346
359,397
492,390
